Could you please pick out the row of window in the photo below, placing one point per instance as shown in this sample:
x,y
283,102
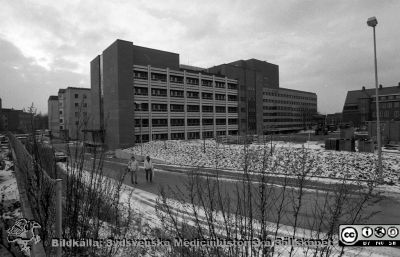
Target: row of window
x,y
77,96
181,136
284,126
289,96
287,120
181,108
179,80
288,102
181,94
387,105
289,114
288,108
181,122
386,114
388,97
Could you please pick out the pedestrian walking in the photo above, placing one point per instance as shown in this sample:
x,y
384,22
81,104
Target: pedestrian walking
x,y
133,167
149,169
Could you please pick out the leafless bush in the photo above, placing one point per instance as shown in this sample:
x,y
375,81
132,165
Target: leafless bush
x,y
262,206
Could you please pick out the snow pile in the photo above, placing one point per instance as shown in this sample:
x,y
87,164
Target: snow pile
x,y
320,162
9,196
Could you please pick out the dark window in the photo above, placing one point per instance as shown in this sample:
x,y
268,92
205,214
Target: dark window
x,y
207,108
232,109
192,81
208,122
208,134
220,109
220,84
220,121
232,98
176,79
193,135
176,93
232,121
158,92
159,122
206,83
221,133
140,75
191,94
158,77
84,96
232,86
206,96
141,91
177,136
193,122
177,122
159,107
177,108
193,108
141,106
76,104
219,97
145,123
163,136
76,95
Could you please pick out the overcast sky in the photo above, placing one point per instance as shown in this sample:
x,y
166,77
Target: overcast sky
x,y
320,46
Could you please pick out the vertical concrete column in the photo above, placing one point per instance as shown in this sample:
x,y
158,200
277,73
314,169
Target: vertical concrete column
x,y
149,101
226,107
214,108
201,109
168,106
185,111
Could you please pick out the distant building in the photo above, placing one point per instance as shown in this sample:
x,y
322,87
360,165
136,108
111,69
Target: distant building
x,y
360,105
72,110
1,117
264,107
17,120
334,118
141,94
288,110
53,115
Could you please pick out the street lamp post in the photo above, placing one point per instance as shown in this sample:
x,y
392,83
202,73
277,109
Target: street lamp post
x,y
372,22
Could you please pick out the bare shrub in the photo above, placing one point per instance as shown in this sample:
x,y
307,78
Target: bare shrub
x,y
259,205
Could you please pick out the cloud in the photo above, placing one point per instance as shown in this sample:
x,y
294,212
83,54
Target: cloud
x,y
320,46
23,81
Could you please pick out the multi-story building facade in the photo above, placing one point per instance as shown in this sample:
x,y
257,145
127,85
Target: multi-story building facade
x,y
360,105
71,108
287,110
253,76
1,116
334,118
53,112
141,94
264,107
16,120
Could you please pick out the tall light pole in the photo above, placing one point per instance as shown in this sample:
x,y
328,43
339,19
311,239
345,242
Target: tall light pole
x,y
372,22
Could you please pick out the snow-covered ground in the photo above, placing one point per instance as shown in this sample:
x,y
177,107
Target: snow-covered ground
x,y
9,195
322,163
144,203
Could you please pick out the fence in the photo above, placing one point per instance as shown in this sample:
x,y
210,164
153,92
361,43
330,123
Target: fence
x,y
40,190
